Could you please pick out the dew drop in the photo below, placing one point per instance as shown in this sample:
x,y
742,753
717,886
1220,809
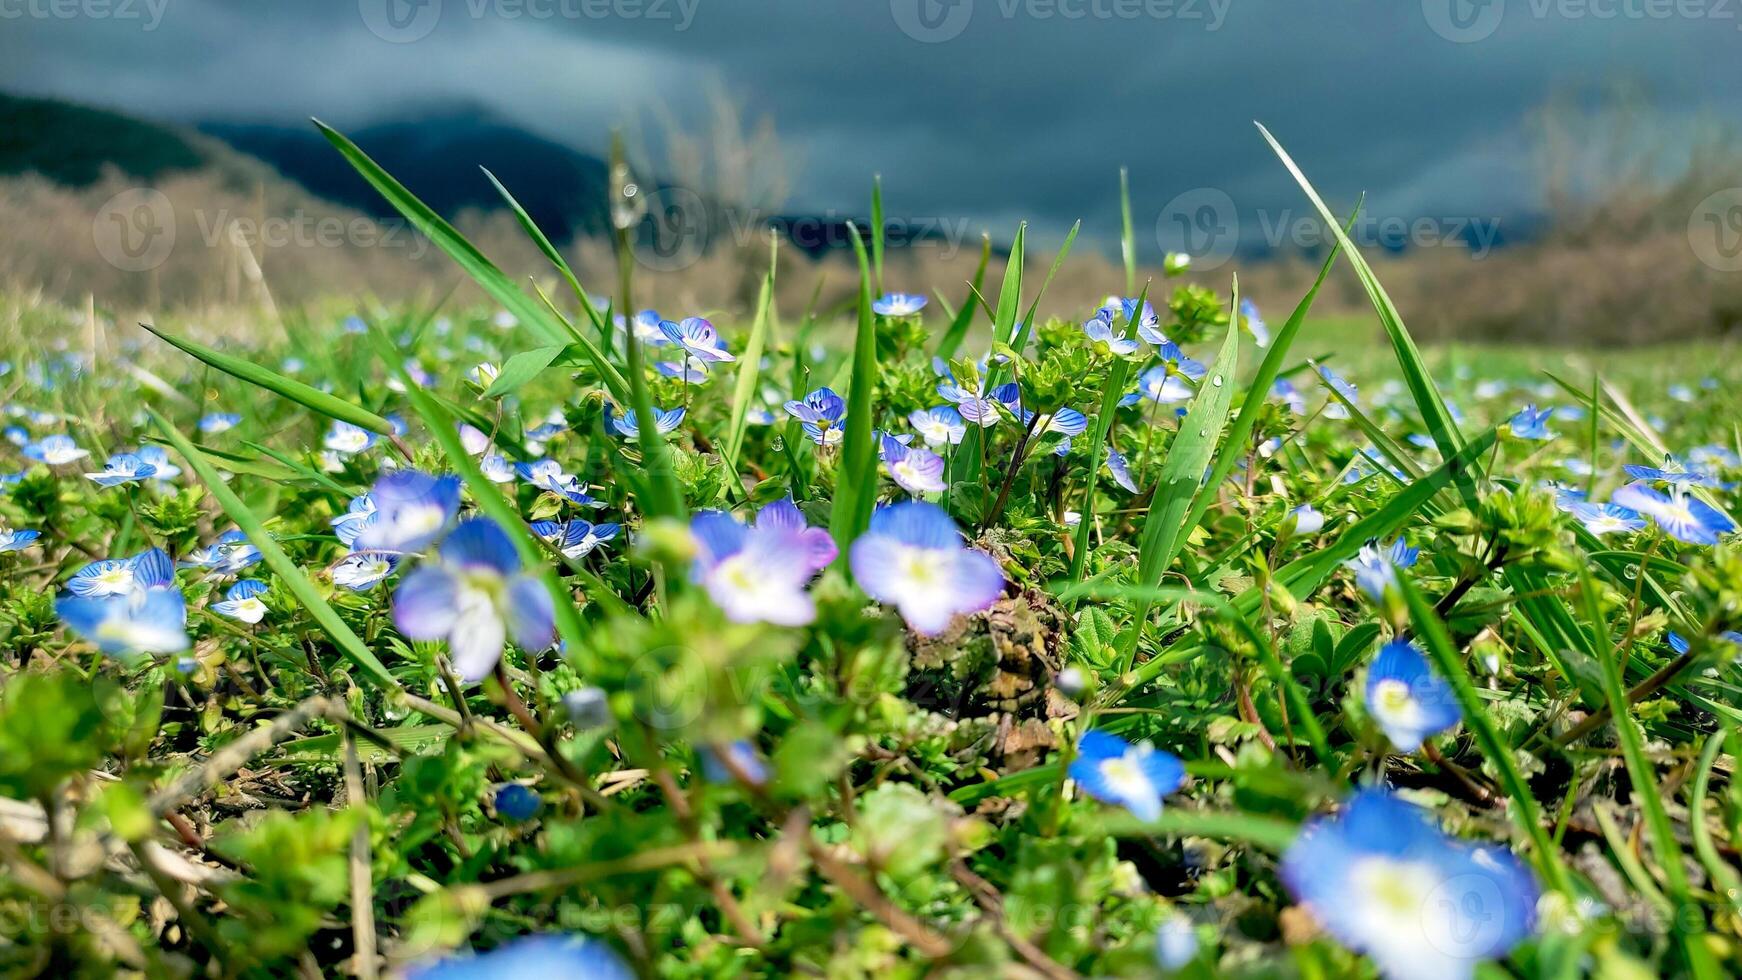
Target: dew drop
x,y
1630,572
1217,381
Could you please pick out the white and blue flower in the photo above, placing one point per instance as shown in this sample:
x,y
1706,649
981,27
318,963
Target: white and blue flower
x,y
898,304
242,601
1678,513
411,510
913,557
475,597
1135,777
1407,698
698,338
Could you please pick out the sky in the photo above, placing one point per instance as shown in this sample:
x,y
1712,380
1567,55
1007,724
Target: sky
x,y
978,112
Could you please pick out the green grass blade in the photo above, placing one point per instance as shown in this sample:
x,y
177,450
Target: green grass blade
x,y
877,231
521,368
308,397
1127,232
750,364
349,644
1525,810
856,479
1164,531
484,272
1104,419
1415,373
958,330
534,232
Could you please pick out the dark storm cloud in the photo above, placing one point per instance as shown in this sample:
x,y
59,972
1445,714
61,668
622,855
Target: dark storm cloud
x,y
979,109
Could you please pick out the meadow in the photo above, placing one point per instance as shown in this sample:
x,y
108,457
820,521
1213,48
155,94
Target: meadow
x,y
556,636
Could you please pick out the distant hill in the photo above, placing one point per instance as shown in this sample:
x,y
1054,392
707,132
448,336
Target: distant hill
x,y
438,155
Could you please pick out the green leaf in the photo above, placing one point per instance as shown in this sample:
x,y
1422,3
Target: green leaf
x,y
294,578
750,364
958,330
310,398
521,368
856,479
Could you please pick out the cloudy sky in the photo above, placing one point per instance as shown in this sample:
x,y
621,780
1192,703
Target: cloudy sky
x,y
981,110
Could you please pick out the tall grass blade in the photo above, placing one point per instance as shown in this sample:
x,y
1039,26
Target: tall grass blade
x,y
349,644
856,479
750,364
952,337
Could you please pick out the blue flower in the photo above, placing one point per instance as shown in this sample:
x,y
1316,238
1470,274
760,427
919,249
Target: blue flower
x,y
12,539
1285,390
819,545
1531,423
532,957
347,439
940,426
218,422
914,470
361,571
158,459
1103,340
1116,310
242,601
899,304
820,413
548,475
151,621
576,538
1681,516
230,554
1674,473
1384,881
496,468
913,558
698,337
517,802
55,450
150,569
1303,521
122,468
1376,567
1407,699
626,426
690,370
475,597
1254,323
1121,470
412,509
646,326
1135,777
1335,409
974,406
1176,943
360,513
1165,386
1601,519
755,574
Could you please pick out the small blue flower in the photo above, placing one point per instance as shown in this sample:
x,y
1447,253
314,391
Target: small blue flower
x,y
820,414
1163,386
361,571
1375,567
719,761
13,539
149,569
1303,521
122,468
359,514
230,554
1682,516
646,326
1601,519
1384,881
899,304
754,574
347,439
517,802
1120,311
1121,470
626,426
1407,699
1135,777
548,475
158,459
1254,323
243,602
973,406
1103,340
1673,473
691,370
576,538
218,422
940,426
913,557
411,510
1531,423
1285,390
152,621
818,543
532,957
55,450
1176,943
475,596
914,470
698,337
